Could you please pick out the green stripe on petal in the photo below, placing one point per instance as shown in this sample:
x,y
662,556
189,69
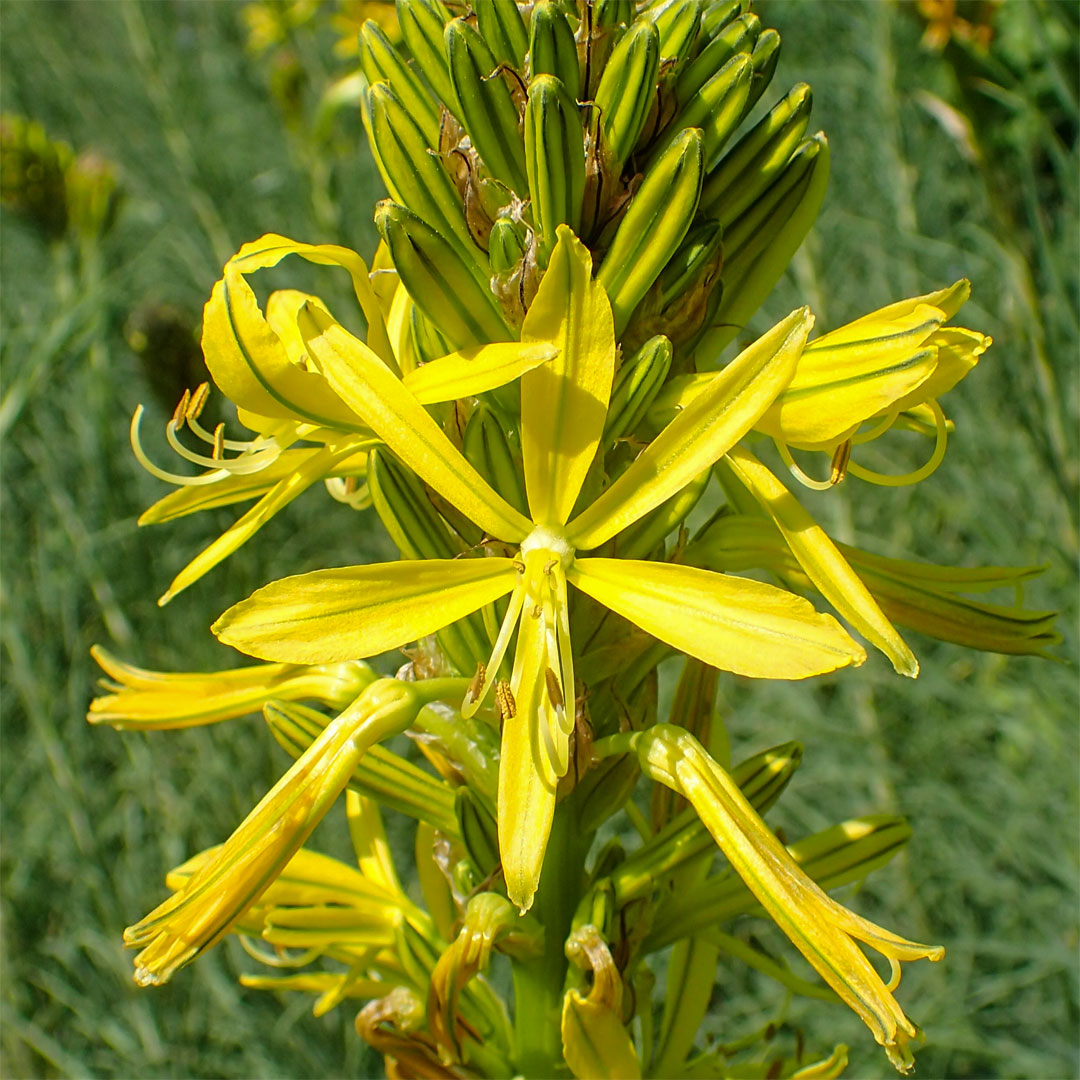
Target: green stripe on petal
x,y
830,572
395,415
732,623
359,611
701,434
564,403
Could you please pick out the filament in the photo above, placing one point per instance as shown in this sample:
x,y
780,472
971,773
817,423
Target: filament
x,y
913,477
803,478
513,611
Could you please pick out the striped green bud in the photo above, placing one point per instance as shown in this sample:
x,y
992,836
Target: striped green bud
x,y
487,108
502,27
381,62
479,833
554,160
759,246
627,89
737,38
718,13
415,175
422,23
506,244
637,383
717,108
757,158
613,12
765,57
442,285
487,448
653,226
552,48
419,532
677,22
427,342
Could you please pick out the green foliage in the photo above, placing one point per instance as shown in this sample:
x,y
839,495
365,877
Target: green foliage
x,y
980,753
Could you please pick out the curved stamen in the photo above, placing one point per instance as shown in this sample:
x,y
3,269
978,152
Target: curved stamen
x,y
278,958
913,477
513,611
169,477
793,468
355,496
877,430
239,466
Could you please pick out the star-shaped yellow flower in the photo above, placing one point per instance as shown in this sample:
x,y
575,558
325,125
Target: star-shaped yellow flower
x,y
731,623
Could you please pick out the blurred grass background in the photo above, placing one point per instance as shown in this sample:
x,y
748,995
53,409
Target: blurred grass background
x,y
213,145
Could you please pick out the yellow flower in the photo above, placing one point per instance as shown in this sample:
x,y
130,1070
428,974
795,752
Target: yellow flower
x,y
824,931
732,623
154,700
887,369
225,886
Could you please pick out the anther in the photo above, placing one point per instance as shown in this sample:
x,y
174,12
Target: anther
x,y
537,611
841,457
219,442
476,684
554,690
504,701
198,401
351,485
549,566
181,409
519,566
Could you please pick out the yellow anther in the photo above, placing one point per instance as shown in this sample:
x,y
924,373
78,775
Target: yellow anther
x,y
180,412
537,611
476,684
840,459
219,442
198,401
504,701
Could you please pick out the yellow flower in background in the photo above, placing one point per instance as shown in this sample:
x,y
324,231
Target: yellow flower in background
x,y
732,623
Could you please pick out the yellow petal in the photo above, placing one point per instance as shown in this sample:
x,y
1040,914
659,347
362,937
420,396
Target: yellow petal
x,y
527,778
958,352
247,358
829,571
948,300
360,611
732,623
564,403
395,415
703,432
474,371
844,378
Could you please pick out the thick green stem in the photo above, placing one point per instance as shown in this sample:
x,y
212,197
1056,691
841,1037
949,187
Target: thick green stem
x,y
538,984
